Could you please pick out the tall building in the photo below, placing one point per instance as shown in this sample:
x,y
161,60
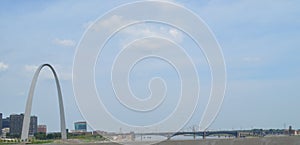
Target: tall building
x,y
5,123
80,126
42,129
16,122
0,123
33,125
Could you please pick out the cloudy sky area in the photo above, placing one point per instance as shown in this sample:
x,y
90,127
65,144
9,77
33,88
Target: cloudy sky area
x,y
259,39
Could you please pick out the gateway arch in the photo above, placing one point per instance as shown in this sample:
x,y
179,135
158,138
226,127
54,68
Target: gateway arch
x,y
26,121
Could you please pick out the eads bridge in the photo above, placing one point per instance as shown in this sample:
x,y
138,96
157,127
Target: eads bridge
x,y
204,134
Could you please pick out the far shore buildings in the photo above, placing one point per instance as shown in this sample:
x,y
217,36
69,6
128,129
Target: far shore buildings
x,y
14,123
5,122
33,125
291,131
80,126
42,129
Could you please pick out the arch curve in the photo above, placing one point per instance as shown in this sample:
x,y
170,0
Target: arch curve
x,y
26,121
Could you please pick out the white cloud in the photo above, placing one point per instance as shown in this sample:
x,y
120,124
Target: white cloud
x,y
147,30
3,66
30,68
177,35
87,24
115,19
135,31
108,24
64,42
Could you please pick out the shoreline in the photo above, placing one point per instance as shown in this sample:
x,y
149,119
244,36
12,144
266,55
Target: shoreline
x,y
270,140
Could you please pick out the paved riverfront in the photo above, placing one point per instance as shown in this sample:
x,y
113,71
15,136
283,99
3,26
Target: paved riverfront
x,y
282,140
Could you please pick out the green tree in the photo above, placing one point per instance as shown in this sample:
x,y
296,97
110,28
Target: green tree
x,y
41,136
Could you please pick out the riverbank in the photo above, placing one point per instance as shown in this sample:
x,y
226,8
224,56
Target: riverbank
x,y
275,140
282,140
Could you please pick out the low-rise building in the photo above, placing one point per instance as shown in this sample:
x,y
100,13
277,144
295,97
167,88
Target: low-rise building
x,y
42,129
80,126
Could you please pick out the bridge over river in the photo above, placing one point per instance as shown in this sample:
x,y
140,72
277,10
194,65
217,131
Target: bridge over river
x,y
204,134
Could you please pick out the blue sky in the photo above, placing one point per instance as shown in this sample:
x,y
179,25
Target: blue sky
x,y
259,39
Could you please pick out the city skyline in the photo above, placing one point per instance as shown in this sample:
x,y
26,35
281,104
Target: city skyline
x,y
34,124
259,41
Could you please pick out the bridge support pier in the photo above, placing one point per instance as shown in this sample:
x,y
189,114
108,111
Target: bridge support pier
x,y
169,137
238,135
